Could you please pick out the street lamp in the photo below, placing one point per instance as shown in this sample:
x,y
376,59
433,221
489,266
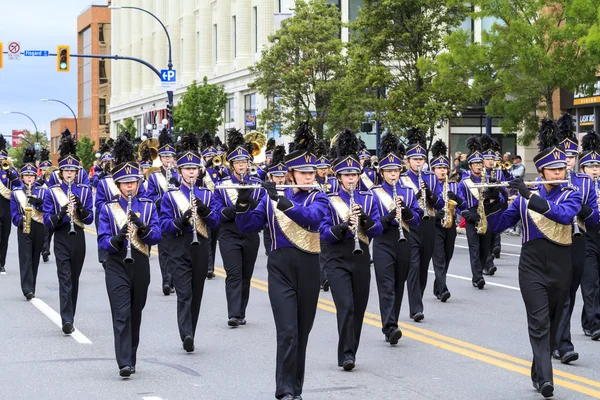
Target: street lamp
x,y
170,62
25,115
65,104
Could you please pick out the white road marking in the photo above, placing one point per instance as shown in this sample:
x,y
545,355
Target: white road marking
x,y
55,317
504,254
465,278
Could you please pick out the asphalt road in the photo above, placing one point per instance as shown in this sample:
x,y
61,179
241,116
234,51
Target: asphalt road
x,y
475,346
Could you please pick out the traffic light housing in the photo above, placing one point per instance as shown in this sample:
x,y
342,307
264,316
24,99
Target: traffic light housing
x,y
63,58
1,55
169,112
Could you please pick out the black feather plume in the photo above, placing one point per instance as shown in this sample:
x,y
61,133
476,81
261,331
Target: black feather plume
x,y
416,136
2,143
206,140
123,149
486,142
106,147
473,144
333,153
361,144
29,155
566,128
188,142
291,147
321,149
304,138
439,148
591,142
496,146
67,145
278,156
401,149
146,154
218,141
164,138
271,144
44,154
548,134
235,139
389,144
347,144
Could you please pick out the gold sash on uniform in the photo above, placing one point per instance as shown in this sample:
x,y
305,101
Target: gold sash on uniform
x,y
470,185
62,199
183,203
303,239
162,181
120,217
36,215
553,231
343,211
112,187
4,191
388,203
406,181
366,180
208,182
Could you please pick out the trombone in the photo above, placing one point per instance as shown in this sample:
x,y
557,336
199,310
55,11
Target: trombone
x,y
527,183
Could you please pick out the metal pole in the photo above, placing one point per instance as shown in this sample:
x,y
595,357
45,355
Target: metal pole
x,y
17,112
72,112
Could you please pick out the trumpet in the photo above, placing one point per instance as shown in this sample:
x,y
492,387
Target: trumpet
x,y
253,170
72,231
219,161
423,202
6,164
375,164
128,258
195,241
401,237
503,165
357,249
576,230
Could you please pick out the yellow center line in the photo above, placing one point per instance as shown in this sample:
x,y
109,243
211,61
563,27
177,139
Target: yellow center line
x,y
453,345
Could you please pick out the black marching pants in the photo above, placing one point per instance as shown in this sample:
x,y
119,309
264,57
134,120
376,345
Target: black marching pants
x,y
48,233
239,254
267,241
190,266
563,335
415,298
213,237
442,254
30,247
323,275
164,260
102,254
127,288
544,278
590,314
479,248
495,241
349,277
69,252
294,294
5,227
392,260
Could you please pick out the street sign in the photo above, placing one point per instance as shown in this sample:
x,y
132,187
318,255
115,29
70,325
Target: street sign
x,y
37,146
35,53
168,79
14,51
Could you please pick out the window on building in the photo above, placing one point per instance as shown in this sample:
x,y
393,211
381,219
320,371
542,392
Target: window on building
x,y
101,33
488,22
215,43
101,111
250,112
234,36
230,110
354,7
102,71
255,24
468,25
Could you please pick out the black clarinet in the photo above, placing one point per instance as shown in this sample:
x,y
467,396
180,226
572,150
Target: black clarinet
x,y
357,249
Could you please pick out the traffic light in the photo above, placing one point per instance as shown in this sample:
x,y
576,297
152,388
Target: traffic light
x,y
1,54
63,58
169,111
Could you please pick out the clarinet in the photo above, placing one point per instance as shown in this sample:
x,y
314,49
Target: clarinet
x,y
168,176
357,249
576,230
195,241
128,258
72,231
401,237
423,195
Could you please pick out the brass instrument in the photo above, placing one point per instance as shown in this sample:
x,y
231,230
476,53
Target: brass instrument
x,y
258,141
195,241
401,237
6,164
219,161
503,165
527,183
238,186
423,202
449,207
482,225
375,164
253,170
128,258
72,231
152,145
576,230
28,211
357,249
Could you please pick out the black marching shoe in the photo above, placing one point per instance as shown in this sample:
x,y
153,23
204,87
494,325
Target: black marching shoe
x,y
348,365
547,389
394,336
297,397
2,270
233,322
595,335
133,370
569,357
67,328
587,332
46,256
287,397
188,344
496,252
418,316
444,296
490,271
241,321
166,290
210,275
125,372
171,289
325,285
556,355
29,296
479,284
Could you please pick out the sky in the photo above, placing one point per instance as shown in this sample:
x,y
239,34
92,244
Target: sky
x,y
37,25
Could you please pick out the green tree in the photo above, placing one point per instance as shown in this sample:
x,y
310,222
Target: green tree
x,y
128,126
394,48
16,153
303,70
201,108
86,152
534,49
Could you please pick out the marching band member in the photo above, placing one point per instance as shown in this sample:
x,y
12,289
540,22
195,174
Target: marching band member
x,y
106,189
327,183
429,196
293,216
158,183
488,153
479,240
81,178
276,172
391,253
103,167
545,263
67,209
9,179
445,223
185,213
584,250
145,165
351,220
368,177
42,181
128,226
238,250
211,177
25,206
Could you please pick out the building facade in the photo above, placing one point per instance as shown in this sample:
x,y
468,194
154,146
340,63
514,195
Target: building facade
x,y
93,75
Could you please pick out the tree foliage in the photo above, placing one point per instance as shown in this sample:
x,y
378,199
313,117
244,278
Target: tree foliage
x,y
86,152
394,48
201,108
533,49
128,126
303,69
16,153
